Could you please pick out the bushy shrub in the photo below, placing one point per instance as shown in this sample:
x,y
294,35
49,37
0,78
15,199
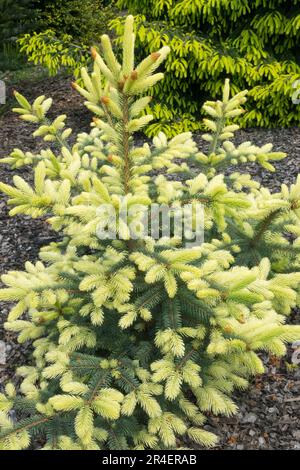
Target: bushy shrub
x,y
54,52
136,338
67,29
15,18
85,20
253,42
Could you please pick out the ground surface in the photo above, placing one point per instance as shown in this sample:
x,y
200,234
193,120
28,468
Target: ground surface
x,y
270,411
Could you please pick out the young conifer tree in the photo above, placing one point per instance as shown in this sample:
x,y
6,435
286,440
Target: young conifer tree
x,y
136,339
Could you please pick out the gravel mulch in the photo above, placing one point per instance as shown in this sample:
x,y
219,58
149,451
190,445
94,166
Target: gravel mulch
x,y
269,411
268,416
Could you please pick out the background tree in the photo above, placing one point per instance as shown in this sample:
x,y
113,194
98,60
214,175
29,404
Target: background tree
x,y
253,42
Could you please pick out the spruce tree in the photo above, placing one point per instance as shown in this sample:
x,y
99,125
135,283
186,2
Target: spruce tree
x,y
136,339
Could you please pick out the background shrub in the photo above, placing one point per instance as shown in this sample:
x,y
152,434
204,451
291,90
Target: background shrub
x,y
54,51
15,18
66,31
83,20
254,42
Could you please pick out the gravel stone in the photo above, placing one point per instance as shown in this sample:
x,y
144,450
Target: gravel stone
x,y
296,434
2,353
249,418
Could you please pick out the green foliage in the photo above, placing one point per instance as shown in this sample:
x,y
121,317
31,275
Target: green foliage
x,y
54,52
253,42
15,18
10,57
137,339
85,21
66,31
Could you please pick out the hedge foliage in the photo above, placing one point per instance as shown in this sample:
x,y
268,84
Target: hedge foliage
x,y
252,42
